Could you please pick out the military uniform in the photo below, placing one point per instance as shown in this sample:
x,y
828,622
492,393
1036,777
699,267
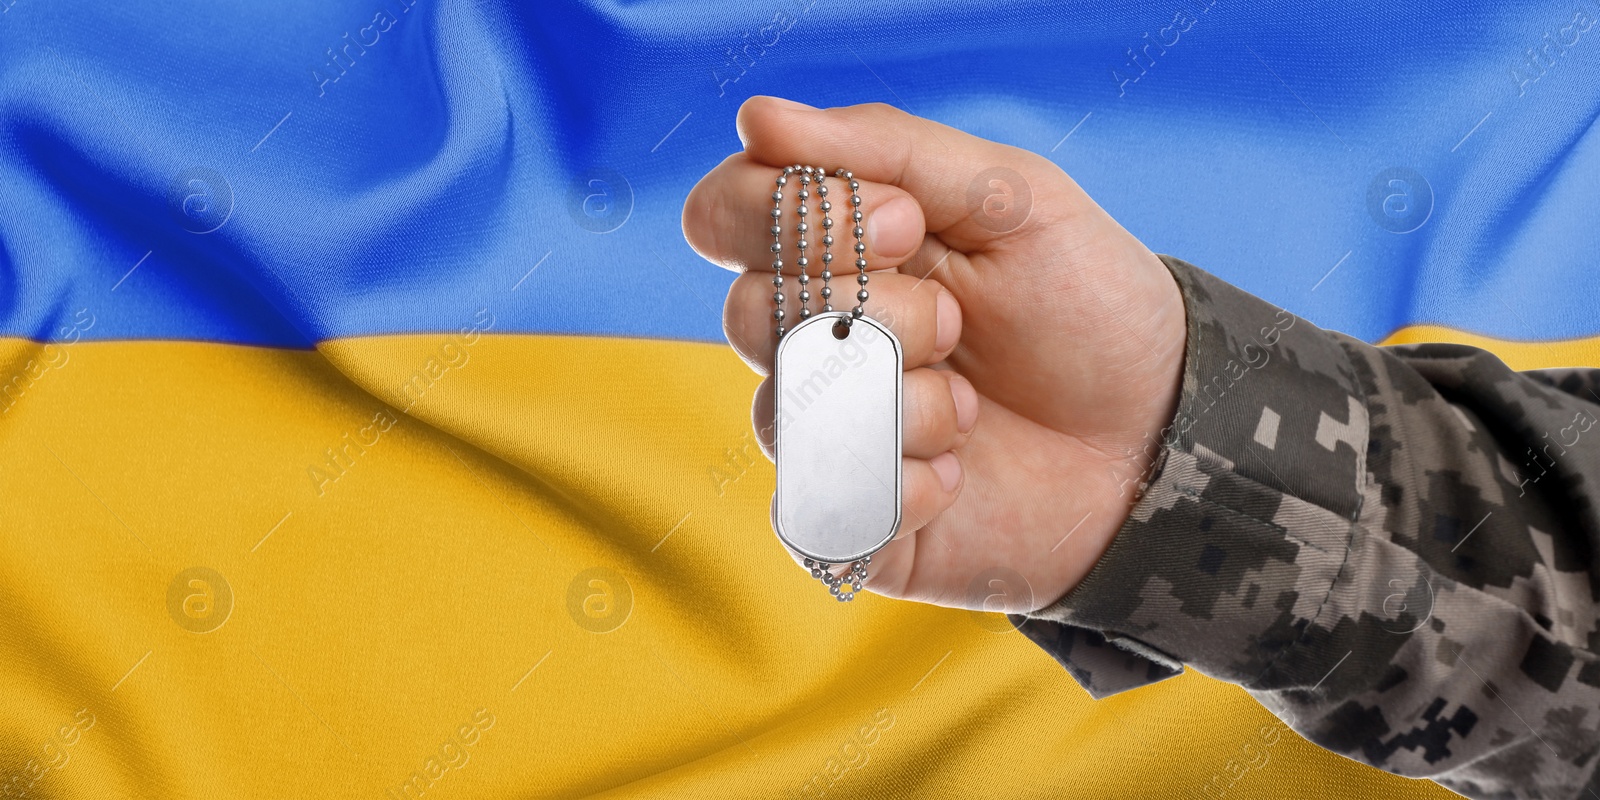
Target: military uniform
x,y
1394,549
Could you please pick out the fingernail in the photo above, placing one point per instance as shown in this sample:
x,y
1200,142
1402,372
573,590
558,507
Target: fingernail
x,y
892,230
966,399
949,469
946,321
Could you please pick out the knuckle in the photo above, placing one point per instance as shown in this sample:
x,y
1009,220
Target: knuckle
x,y
931,419
719,222
881,110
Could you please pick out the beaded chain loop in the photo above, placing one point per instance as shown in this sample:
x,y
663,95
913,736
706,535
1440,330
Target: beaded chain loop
x,y
861,247
809,175
845,585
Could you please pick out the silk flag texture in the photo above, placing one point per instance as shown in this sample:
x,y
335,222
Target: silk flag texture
x,y
366,428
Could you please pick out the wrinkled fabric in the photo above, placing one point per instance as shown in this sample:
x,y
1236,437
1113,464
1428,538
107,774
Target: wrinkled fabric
x,y
285,173
1392,548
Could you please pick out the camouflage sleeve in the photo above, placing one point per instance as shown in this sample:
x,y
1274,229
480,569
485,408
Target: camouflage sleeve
x,y
1394,549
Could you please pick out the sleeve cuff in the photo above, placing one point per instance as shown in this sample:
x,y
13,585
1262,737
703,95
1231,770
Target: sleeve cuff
x,y
1250,505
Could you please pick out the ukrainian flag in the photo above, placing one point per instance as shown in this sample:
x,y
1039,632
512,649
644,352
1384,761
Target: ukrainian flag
x,y
366,429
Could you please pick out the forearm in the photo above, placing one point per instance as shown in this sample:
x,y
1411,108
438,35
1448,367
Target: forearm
x,y
1358,536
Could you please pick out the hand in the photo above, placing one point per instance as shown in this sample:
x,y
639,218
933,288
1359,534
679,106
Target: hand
x,y
1044,319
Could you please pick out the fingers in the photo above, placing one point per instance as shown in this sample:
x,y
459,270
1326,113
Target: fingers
x,y
939,411
972,191
928,487
727,219
923,315
940,408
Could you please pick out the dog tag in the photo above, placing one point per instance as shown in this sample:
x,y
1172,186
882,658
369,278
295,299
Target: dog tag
x,y
836,387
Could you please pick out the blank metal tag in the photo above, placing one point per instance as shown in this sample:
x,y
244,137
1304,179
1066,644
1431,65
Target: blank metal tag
x,y
837,437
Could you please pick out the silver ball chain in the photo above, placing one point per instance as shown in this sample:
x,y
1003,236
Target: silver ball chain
x,y
843,586
803,227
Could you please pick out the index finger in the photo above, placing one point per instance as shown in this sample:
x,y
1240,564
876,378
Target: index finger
x,y
955,177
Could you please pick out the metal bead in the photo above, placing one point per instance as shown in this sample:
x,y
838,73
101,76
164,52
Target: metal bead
x,y
777,230
834,590
858,231
862,295
826,223
862,279
777,263
854,187
777,212
827,258
777,314
809,563
827,239
855,200
803,210
827,307
782,180
861,262
804,244
856,586
777,297
826,292
861,247
815,571
777,248
777,197
867,560
803,193
804,279
855,312
805,313
787,170
802,227
822,190
777,280
856,215
802,261
848,175
827,205
809,170
780,331
804,295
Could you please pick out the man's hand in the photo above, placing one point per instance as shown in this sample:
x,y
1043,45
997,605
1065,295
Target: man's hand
x,y
1025,306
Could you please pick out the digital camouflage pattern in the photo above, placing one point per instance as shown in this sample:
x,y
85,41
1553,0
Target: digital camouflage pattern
x,y
1394,549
